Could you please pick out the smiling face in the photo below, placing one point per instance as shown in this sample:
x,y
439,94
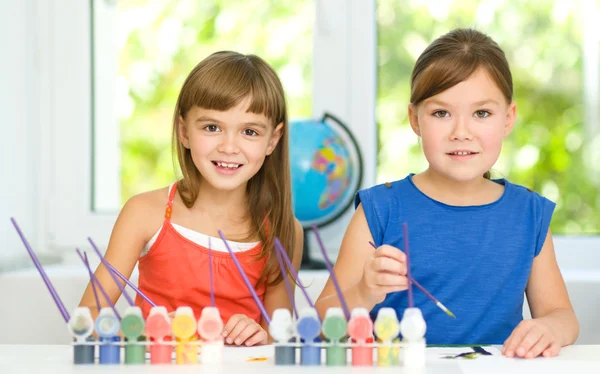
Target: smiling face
x,y
228,147
462,128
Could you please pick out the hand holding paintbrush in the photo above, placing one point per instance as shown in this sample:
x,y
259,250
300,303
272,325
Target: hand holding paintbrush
x,y
399,256
384,272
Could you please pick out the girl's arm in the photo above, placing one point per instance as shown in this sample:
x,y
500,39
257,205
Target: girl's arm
x,y
365,275
554,323
130,233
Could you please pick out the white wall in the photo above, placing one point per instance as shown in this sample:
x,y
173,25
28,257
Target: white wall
x,y
20,128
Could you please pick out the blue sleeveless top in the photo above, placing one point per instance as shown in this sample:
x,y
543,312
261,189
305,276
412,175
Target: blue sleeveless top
x,y
475,260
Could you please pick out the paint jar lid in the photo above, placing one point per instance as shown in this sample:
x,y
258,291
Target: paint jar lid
x,y
210,324
335,312
184,310
158,323
133,310
184,324
359,312
81,324
158,310
413,326
133,324
281,328
309,325
334,324
107,324
308,312
360,326
386,324
387,312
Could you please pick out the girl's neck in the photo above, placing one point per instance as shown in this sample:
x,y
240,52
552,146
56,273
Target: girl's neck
x,y
222,205
479,191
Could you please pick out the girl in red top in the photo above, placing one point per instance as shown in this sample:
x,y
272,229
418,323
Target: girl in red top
x,y
230,132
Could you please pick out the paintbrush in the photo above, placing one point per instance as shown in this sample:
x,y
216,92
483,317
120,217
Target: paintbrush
x,y
98,284
38,265
288,286
333,278
118,274
259,303
436,301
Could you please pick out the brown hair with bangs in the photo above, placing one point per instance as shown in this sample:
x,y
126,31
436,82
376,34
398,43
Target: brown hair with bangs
x,y
452,58
220,82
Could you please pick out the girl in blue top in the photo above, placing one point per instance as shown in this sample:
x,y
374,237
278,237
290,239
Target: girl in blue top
x,y
477,244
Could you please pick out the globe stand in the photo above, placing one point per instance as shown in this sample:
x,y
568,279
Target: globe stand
x,y
309,263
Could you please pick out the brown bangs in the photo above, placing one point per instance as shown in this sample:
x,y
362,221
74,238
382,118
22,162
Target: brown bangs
x,y
221,84
452,58
440,76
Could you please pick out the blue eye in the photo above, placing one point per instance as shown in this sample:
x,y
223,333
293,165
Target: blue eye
x,y
482,114
441,113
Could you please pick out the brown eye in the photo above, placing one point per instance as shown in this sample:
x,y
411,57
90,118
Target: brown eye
x,y
482,114
441,113
250,132
211,128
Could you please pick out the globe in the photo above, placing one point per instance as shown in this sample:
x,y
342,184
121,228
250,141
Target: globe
x,y
326,168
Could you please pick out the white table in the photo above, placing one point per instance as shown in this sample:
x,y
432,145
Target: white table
x,y
58,359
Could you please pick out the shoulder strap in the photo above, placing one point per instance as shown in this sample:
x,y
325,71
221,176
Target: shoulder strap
x,y
172,191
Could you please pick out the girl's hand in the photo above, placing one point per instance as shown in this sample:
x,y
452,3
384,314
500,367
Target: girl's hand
x,y
241,329
530,339
384,272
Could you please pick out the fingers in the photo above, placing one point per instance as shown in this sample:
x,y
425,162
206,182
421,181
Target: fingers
x,y
243,330
259,338
530,339
388,265
386,280
231,324
514,340
552,351
539,347
391,252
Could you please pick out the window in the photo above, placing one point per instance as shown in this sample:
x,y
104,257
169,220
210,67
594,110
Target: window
x,y
157,45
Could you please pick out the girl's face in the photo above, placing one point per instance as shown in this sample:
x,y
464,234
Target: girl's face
x,y
463,127
228,147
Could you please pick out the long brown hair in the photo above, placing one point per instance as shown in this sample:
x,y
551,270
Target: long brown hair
x,y
220,82
452,58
